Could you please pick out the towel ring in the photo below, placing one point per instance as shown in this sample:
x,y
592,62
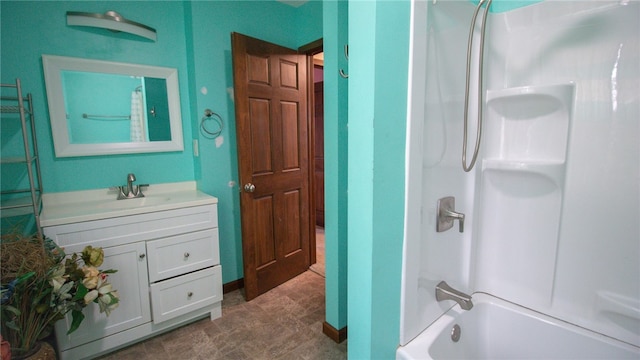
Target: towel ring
x,y
210,115
346,55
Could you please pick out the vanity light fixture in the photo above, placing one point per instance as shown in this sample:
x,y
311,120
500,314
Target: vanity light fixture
x,y
110,20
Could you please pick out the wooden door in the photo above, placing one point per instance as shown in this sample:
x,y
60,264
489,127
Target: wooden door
x,y
319,152
270,84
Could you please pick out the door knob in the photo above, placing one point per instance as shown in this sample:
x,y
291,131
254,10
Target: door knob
x,y
249,187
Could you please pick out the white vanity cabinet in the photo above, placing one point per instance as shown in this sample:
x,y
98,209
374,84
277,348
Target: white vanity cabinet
x,y
168,274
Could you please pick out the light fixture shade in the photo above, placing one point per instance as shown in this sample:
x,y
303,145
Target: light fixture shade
x,y
110,20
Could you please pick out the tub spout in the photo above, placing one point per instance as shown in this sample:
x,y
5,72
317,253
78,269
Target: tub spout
x,y
446,292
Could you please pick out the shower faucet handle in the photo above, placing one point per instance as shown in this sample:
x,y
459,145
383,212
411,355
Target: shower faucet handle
x,y
456,216
447,215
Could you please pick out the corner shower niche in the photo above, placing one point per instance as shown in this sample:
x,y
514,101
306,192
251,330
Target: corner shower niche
x,y
522,182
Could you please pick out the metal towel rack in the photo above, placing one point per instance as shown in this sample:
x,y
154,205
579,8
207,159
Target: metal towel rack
x,y
111,117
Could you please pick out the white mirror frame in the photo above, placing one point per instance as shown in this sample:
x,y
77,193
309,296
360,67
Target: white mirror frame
x,y
54,65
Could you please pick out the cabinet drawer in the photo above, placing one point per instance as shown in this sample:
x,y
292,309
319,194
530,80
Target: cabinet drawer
x,y
182,254
178,296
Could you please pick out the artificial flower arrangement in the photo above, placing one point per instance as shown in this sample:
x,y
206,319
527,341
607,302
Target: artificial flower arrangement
x,y
41,284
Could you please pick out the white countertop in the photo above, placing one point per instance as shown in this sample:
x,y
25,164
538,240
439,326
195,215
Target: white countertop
x,y
86,205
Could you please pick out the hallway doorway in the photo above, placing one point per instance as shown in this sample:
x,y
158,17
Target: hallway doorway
x,y
319,266
317,188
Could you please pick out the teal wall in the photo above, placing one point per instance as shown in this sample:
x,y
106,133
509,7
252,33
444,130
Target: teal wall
x,y
193,37
336,97
378,70
31,29
211,24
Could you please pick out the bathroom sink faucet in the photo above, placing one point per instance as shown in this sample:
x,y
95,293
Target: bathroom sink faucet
x,y
130,191
130,179
446,292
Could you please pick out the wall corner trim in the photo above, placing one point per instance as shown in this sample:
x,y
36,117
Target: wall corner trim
x,y
334,334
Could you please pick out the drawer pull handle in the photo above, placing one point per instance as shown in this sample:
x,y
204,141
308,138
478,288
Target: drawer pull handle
x,y
186,255
142,256
189,294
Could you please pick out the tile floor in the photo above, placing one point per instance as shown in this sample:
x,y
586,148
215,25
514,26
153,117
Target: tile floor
x,y
284,323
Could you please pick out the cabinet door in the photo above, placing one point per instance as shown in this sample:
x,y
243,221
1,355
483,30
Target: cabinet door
x,y
133,290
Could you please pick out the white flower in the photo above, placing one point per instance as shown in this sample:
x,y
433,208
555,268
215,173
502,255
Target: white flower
x,y
65,291
105,288
90,296
108,302
58,278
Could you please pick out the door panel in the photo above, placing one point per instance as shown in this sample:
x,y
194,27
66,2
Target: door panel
x,y
273,150
259,116
290,135
258,69
265,250
289,74
291,241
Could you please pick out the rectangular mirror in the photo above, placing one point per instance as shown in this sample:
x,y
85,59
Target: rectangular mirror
x,y
103,108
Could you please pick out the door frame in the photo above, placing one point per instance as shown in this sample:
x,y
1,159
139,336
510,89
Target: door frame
x,y
310,50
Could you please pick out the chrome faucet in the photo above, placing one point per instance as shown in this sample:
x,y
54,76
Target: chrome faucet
x,y
446,292
130,179
130,191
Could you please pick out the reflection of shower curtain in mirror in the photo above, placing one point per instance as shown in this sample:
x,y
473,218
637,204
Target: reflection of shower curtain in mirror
x,y
137,117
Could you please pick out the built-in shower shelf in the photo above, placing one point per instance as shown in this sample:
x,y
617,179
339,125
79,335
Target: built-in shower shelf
x,y
529,125
553,170
530,102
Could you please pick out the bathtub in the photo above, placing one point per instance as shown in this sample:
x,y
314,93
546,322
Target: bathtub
x,y
497,329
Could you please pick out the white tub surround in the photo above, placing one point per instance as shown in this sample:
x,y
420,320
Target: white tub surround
x,y
552,205
165,248
522,186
